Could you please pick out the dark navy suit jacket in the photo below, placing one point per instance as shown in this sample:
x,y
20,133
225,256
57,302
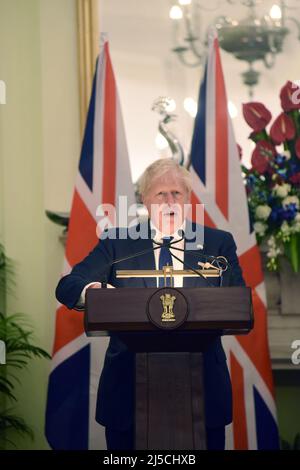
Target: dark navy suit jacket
x,y
115,404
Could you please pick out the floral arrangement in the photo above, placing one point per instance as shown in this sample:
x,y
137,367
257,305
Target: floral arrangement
x,y
273,181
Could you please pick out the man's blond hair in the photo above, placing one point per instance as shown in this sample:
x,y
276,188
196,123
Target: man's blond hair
x,y
158,169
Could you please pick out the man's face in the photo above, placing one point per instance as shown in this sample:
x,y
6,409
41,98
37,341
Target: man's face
x,y
165,201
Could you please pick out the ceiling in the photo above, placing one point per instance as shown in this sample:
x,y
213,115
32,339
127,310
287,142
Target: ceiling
x,y
141,39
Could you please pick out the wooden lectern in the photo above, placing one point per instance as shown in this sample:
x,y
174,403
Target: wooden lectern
x,y
169,329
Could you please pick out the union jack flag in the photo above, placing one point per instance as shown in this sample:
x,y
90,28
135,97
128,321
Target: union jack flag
x,y
103,174
218,184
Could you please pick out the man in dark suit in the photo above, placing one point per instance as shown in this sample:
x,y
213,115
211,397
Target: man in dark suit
x,y
165,189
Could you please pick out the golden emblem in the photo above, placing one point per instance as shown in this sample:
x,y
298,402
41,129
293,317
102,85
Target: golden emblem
x,y
167,301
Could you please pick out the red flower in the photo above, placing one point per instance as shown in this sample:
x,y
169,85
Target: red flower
x,y
290,96
262,155
256,115
295,179
297,147
282,129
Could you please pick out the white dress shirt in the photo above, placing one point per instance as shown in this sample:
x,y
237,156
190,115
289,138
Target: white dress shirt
x,y
178,280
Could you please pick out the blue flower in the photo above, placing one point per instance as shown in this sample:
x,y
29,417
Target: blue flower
x,y
294,168
279,159
277,214
282,173
251,180
290,211
271,199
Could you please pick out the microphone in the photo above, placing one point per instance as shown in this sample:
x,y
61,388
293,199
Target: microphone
x,y
220,262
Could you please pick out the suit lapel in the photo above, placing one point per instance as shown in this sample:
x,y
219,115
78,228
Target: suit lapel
x,y
147,260
191,258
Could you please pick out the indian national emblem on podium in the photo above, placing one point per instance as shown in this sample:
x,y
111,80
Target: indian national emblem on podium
x,y
167,301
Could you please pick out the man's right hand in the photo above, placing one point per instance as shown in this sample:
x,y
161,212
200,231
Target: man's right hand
x,y
97,285
92,285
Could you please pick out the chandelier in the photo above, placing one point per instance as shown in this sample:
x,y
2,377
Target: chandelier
x,y
250,39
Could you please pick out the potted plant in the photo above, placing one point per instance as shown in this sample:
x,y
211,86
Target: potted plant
x,y
16,336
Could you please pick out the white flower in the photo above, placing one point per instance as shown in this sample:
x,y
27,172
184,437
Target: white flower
x,y
282,190
285,231
260,228
285,228
295,228
291,200
286,154
297,217
272,253
271,241
274,249
262,212
296,223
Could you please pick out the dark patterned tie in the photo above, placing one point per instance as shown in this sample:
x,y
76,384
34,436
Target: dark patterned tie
x,y
165,259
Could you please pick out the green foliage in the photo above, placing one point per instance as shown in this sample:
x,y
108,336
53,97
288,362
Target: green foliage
x,y
10,422
285,445
17,334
